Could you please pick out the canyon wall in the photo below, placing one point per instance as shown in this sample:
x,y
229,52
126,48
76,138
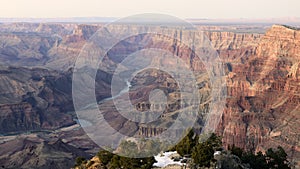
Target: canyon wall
x,y
262,109
262,78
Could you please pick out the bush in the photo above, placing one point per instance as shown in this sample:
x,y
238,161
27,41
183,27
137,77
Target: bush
x,y
105,156
277,159
186,145
236,150
112,161
203,153
79,161
271,160
131,163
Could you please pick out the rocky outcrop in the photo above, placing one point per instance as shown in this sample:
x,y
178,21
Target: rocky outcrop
x,y
262,87
263,95
38,99
150,132
55,46
24,104
29,152
234,48
232,41
262,107
19,117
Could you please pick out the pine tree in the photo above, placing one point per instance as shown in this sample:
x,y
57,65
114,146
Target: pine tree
x,y
186,145
277,159
203,154
105,156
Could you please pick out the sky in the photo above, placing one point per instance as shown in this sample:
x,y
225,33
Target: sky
x,y
208,9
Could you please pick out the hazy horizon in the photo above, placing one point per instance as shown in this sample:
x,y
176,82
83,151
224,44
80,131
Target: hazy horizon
x,y
293,21
198,9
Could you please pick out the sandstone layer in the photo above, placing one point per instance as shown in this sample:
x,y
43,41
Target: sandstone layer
x,y
262,108
262,81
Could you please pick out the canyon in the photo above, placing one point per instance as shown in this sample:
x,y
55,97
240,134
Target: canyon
x,y
262,108
36,66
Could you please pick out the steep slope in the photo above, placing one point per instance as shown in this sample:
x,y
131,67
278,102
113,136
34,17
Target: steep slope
x,y
262,110
31,101
39,99
29,152
54,46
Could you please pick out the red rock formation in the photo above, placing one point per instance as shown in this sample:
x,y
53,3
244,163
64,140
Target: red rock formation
x,y
263,95
262,108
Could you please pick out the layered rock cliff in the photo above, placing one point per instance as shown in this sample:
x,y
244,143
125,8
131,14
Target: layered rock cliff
x,y
262,106
31,101
30,152
262,110
39,99
55,46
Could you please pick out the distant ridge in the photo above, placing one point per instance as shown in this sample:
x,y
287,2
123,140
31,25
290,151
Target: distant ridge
x,y
280,21
60,20
295,21
291,27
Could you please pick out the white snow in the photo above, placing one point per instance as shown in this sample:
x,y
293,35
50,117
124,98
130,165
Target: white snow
x,y
217,153
165,160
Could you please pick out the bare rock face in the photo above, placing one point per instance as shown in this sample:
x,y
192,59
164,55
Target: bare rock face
x,y
30,152
55,46
231,41
18,117
151,80
262,88
30,101
262,110
234,48
38,99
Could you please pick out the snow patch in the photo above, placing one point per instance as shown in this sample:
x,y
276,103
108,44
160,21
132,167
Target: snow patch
x,y
164,159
